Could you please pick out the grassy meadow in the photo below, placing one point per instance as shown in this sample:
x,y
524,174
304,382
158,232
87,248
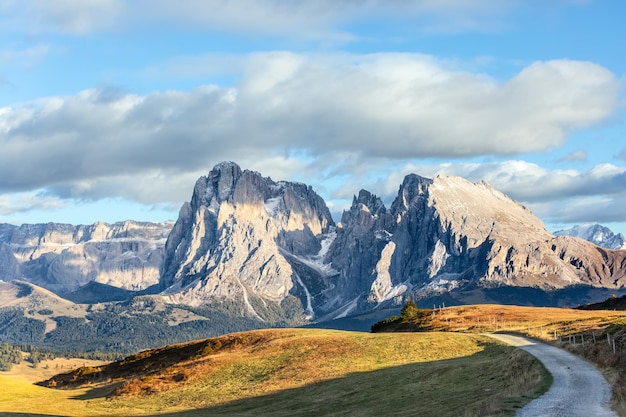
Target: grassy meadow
x,y
309,372
596,335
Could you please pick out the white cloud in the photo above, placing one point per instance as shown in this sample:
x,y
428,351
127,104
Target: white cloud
x,y
557,196
28,201
305,18
23,57
576,156
337,110
523,181
73,16
591,209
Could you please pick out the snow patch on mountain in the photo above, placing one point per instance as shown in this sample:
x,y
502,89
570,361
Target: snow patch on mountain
x,y
272,205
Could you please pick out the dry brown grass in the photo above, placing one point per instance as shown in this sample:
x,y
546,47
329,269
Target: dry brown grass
x,y
534,321
352,372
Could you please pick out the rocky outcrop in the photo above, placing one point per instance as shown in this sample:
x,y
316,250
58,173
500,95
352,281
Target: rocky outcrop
x,y
248,239
9,266
248,246
63,257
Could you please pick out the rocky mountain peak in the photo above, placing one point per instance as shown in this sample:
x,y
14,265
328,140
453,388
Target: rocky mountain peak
x,y
241,235
64,257
479,211
268,250
596,233
366,208
413,189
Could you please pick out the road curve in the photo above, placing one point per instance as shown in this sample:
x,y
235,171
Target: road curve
x,y
579,389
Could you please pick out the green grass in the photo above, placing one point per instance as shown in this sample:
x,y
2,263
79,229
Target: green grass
x,y
317,372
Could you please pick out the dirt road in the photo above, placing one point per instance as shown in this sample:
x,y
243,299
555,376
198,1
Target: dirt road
x,y
578,389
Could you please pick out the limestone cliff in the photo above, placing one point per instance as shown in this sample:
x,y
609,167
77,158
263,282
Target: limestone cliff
x,y
63,257
246,238
448,236
248,246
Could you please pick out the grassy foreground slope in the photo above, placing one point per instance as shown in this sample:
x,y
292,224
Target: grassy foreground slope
x,y
299,372
594,334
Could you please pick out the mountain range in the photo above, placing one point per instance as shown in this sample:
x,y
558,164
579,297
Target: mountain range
x,y
596,233
269,253
64,258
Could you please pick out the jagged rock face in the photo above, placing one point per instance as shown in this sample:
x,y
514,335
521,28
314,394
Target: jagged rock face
x,y
248,238
598,234
9,266
63,257
448,234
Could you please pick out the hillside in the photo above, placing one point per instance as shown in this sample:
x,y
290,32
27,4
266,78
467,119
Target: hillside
x,y
612,303
35,316
293,372
597,335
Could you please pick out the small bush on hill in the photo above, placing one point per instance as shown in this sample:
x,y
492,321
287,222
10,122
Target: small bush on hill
x,y
411,319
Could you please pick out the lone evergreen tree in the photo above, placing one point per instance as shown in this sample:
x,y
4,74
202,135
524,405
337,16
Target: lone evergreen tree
x,y
409,311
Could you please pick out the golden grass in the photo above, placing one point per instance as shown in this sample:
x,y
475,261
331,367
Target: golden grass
x,y
25,371
583,332
540,322
313,372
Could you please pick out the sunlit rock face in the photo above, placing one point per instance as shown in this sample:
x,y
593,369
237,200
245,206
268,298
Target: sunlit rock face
x,y
63,257
261,244
247,238
448,236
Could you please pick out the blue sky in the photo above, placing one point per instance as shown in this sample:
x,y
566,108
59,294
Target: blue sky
x,y
111,109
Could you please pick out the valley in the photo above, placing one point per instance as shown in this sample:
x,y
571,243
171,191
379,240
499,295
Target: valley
x,y
422,368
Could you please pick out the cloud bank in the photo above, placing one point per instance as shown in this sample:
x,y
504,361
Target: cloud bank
x,y
333,116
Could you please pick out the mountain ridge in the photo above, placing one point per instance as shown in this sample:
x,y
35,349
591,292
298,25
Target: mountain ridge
x,y
596,233
64,257
439,236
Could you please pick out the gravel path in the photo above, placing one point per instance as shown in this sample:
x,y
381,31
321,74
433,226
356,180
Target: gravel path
x,y
578,389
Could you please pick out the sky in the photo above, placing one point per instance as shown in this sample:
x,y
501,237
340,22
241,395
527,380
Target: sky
x,y
111,109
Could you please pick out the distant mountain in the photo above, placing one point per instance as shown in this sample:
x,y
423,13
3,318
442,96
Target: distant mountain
x,y
63,258
595,233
